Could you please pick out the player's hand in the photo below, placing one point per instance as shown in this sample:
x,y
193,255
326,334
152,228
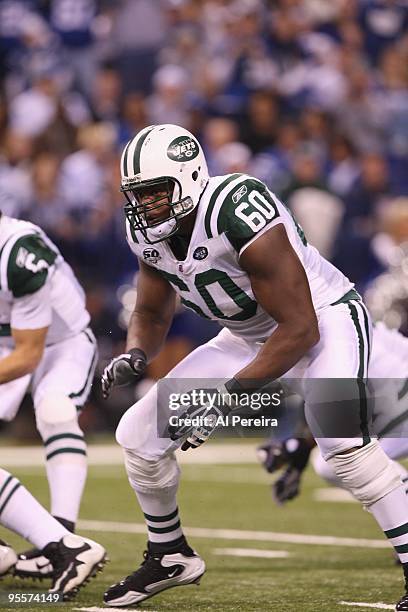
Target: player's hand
x,y
287,486
208,415
122,370
275,454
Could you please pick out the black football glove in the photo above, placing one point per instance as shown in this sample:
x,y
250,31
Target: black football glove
x,y
293,452
122,370
287,486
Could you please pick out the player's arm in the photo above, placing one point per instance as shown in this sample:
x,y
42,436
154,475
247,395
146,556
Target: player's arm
x,y
27,354
153,312
147,331
281,287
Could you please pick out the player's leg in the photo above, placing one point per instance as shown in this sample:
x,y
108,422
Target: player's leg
x,y
12,393
325,470
154,476
60,386
75,559
359,463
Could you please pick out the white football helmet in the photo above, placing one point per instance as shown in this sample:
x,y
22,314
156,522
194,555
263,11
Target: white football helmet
x,y
164,173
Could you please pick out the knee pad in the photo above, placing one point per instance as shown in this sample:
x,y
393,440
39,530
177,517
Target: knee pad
x,y
57,422
56,411
366,472
323,469
149,476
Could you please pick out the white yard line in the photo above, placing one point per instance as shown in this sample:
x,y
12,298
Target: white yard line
x,y
238,534
258,553
96,609
332,494
362,604
111,454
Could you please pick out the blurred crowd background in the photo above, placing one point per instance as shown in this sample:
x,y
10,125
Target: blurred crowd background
x,y
311,96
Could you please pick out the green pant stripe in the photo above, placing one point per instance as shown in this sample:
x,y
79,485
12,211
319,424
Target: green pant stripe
x,y
88,334
354,316
168,529
161,519
403,548
212,202
397,531
59,451
6,501
367,330
88,376
404,390
350,295
361,374
61,436
363,412
394,423
5,484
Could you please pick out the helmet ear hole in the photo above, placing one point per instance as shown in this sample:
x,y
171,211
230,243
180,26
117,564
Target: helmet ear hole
x,y
194,176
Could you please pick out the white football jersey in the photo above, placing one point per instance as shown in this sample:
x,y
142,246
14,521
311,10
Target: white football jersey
x,y
388,373
233,211
37,287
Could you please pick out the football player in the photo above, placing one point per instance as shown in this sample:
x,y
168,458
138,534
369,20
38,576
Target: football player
x,y
75,559
388,371
233,252
47,349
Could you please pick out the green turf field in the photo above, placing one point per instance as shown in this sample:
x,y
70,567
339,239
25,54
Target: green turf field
x,y
311,578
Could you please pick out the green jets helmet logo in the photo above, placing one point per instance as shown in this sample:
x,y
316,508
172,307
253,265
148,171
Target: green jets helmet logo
x,y
183,149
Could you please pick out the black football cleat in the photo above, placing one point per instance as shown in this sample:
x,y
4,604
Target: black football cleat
x,y
158,572
75,561
33,564
402,605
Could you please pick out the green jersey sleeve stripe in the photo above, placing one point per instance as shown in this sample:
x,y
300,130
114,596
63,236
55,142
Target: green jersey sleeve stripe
x,y
28,264
5,256
213,199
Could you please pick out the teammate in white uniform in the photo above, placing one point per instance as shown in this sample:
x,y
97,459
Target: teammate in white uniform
x,y
388,372
48,350
75,559
389,367
232,252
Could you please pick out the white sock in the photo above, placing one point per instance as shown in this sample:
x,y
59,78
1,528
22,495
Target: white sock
x,y
161,516
23,514
391,513
66,477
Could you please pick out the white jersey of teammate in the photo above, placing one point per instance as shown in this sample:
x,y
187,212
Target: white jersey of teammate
x,y
388,373
37,287
233,211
